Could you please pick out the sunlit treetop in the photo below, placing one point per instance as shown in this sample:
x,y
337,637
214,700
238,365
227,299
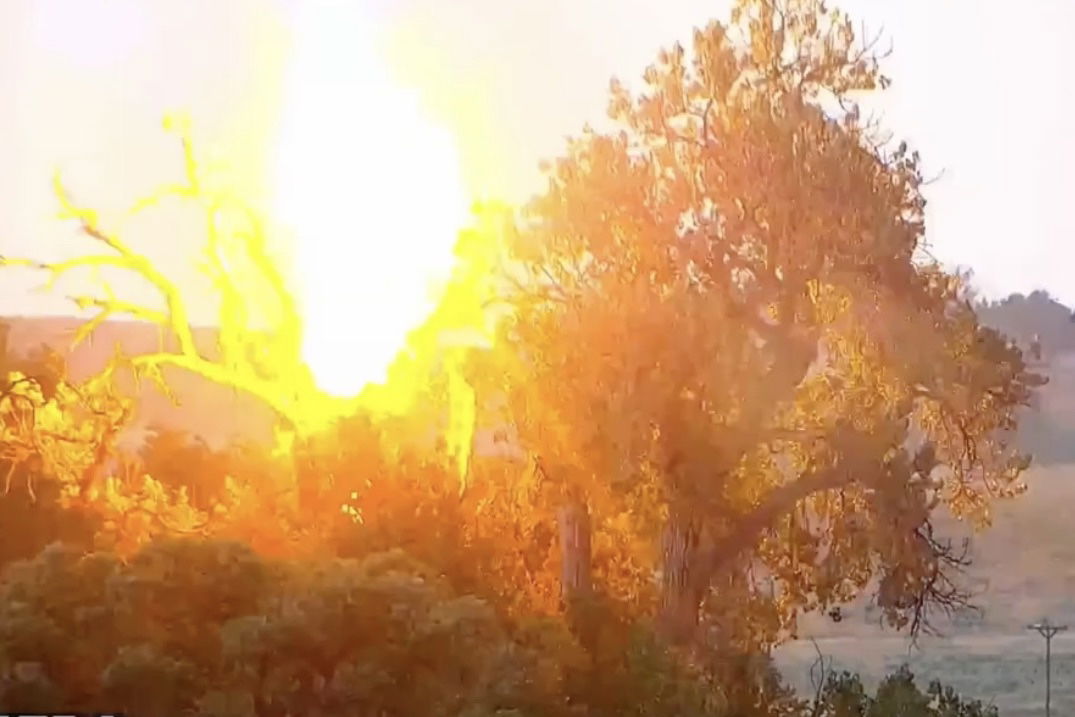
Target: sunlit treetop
x,y
726,329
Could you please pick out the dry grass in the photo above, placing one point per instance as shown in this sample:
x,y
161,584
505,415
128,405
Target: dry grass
x,y
1024,569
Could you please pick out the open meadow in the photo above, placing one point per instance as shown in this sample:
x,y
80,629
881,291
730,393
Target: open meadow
x,y
1007,670
1023,571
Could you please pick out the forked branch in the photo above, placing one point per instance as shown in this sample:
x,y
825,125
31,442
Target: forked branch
x,y
265,364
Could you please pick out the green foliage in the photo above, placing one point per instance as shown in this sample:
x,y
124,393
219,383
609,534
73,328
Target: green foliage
x,y
31,511
843,695
209,628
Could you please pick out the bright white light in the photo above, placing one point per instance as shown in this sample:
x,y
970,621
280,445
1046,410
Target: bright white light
x,y
372,190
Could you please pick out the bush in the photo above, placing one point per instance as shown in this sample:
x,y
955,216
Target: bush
x,y
210,628
897,696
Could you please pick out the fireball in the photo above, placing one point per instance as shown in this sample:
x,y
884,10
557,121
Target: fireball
x,y
370,189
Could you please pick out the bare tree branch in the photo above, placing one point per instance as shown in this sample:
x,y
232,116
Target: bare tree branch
x,y
236,241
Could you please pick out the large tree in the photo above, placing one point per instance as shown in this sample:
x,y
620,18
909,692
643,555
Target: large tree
x,y
728,353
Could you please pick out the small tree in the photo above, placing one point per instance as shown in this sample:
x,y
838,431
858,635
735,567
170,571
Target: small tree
x,y
54,436
843,695
52,426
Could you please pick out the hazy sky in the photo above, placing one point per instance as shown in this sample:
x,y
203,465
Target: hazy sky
x,y
982,89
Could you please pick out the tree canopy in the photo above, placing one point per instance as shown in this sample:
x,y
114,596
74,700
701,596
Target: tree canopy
x,y
726,333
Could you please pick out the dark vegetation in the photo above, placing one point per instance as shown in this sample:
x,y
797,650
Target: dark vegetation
x,y
210,628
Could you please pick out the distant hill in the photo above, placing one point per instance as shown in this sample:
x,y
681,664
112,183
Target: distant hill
x,y
217,414
1047,430
1038,315
206,409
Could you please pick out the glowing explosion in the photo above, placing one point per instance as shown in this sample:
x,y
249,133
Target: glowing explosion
x,y
372,191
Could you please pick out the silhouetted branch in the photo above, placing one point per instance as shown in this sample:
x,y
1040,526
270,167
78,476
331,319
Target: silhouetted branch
x,y
266,364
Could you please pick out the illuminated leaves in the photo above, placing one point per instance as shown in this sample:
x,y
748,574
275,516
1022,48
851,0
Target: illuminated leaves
x,y
259,329
59,434
726,294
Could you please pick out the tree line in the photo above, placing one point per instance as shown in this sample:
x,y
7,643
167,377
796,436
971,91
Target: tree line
x,y
735,387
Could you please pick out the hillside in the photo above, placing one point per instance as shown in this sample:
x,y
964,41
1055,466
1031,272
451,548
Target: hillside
x,y
1048,430
1038,314
217,414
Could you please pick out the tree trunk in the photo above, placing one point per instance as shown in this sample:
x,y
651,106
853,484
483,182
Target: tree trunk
x,y
680,597
304,462
576,580
315,460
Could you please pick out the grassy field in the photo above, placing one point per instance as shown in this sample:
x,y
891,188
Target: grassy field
x,y
1023,571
